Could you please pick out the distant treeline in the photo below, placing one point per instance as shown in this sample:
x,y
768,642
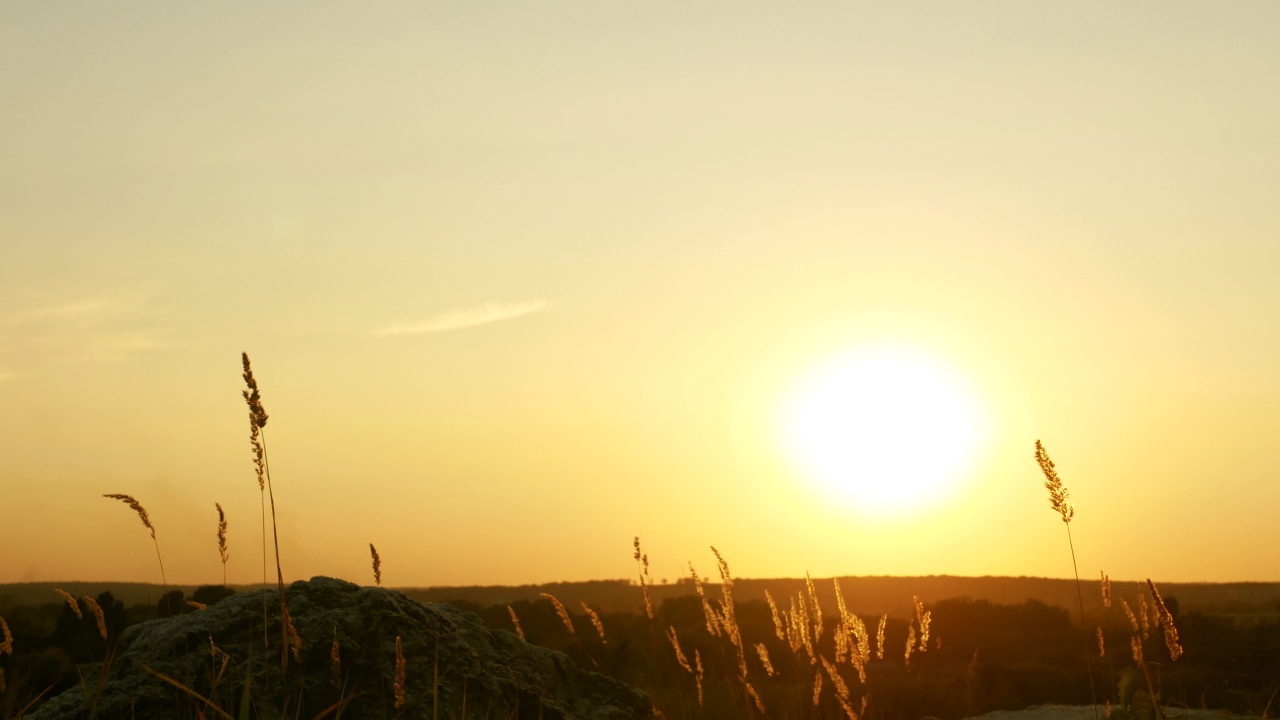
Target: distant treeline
x,y
877,595
869,595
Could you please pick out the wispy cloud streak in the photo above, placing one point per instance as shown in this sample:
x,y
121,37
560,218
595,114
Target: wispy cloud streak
x,y
108,328
81,312
457,319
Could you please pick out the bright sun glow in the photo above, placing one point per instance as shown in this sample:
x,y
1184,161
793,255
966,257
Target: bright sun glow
x,y
884,431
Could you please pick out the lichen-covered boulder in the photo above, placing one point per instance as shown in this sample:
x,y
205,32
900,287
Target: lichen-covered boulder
x,y
451,662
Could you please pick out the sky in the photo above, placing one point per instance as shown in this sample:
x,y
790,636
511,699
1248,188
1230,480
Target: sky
x,y
523,281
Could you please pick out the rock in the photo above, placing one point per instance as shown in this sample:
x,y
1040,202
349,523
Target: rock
x,y
452,661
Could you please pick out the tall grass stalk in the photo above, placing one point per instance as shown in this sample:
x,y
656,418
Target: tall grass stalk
x,y
1058,500
258,442
146,521
222,542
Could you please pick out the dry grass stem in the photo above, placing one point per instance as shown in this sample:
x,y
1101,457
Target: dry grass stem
x,y
595,622
400,667
222,541
884,620
763,652
146,521
258,421
137,507
802,627
295,640
728,616
377,565
71,603
1166,624
777,620
755,698
911,644
1058,500
516,621
842,690
923,617
1102,645
97,615
1133,621
251,394
564,614
697,661
817,687
680,656
1106,591
1058,493
642,566
1145,616
844,634
817,609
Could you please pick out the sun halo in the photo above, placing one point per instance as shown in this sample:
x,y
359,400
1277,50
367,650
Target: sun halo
x,y
884,431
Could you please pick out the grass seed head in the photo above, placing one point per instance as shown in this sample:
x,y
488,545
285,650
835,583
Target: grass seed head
x,y
97,615
1166,623
642,565
1058,493
763,652
564,614
680,656
71,603
222,535
884,620
377,565
137,507
516,621
252,396
595,622
1133,621
777,619
755,698
295,640
697,661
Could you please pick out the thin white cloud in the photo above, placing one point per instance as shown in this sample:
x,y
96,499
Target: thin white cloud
x,y
92,310
115,347
457,319
111,328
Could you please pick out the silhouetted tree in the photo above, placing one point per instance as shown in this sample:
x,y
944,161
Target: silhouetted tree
x,y
211,594
172,603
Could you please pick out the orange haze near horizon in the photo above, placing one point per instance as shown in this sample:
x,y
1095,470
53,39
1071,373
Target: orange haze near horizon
x,y
522,283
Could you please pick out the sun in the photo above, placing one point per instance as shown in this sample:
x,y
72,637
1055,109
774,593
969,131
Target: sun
x,y
884,431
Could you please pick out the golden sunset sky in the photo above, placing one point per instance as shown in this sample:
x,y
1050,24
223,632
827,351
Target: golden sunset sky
x,y
521,281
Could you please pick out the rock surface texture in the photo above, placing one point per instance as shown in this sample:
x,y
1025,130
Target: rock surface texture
x,y
454,665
